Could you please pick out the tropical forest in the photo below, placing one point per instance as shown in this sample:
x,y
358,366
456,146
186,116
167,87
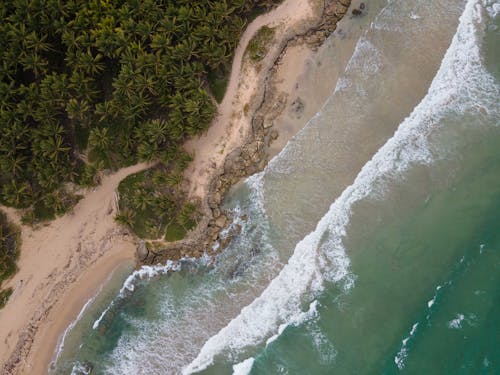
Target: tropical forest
x,y
10,241
87,86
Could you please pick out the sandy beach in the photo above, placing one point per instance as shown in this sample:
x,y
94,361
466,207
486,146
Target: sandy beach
x,y
63,263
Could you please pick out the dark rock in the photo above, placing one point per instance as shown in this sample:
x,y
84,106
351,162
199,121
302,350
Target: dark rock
x,y
362,6
268,123
257,122
297,107
142,251
221,221
273,134
216,212
356,12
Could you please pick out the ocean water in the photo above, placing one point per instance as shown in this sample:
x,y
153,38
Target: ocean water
x,y
372,241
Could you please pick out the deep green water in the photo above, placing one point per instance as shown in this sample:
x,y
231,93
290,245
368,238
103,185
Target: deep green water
x,y
445,249
385,260
426,298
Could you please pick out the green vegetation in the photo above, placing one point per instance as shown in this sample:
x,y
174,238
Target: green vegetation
x,y
10,241
115,81
218,80
4,296
153,205
259,45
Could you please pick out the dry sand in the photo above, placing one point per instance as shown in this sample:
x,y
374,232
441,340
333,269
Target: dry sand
x,y
230,128
63,264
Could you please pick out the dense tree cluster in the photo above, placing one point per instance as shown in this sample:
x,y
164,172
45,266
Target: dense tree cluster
x,y
154,206
87,85
9,252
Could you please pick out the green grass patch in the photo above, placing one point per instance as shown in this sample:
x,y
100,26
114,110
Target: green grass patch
x,y
43,212
175,232
259,45
4,296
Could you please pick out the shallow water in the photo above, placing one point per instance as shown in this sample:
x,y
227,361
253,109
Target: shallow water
x,y
366,249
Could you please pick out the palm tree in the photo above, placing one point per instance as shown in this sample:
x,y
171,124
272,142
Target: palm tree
x,y
156,131
87,62
125,217
53,147
165,205
161,41
55,200
81,85
174,179
34,62
141,200
16,194
13,164
36,43
106,109
159,178
186,214
137,105
99,139
78,110
147,151
70,39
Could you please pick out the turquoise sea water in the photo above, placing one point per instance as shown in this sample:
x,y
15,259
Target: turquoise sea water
x,y
372,244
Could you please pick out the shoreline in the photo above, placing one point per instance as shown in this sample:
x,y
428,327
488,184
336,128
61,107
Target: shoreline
x,y
239,143
69,308
94,245
60,265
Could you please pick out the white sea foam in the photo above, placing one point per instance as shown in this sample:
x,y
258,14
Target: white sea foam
x,y
149,272
243,368
296,320
98,321
322,345
60,346
432,301
163,345
400,358
492,7
457,322
80,368
140,274
459,84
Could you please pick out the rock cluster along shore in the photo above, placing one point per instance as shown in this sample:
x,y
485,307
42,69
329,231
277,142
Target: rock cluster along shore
x,y
253,155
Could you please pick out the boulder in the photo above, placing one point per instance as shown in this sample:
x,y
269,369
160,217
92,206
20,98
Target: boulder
x,y
268,123
221,221
273,134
